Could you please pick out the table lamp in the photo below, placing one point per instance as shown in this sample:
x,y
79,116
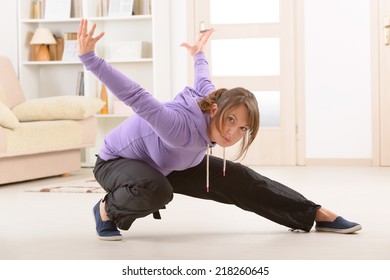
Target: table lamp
x,y
43,37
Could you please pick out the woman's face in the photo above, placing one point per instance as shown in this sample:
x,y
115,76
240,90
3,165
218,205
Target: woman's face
x,y
233,127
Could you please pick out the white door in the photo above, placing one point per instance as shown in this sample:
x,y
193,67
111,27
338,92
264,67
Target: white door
x,y
253,47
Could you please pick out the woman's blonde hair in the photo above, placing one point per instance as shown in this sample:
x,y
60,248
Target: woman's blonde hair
x,y
226,101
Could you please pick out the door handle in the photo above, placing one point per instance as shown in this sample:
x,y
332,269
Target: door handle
x,y
386,28
202,27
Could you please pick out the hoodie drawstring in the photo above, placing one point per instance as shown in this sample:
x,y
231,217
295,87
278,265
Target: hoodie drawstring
x,y
208,166
224,163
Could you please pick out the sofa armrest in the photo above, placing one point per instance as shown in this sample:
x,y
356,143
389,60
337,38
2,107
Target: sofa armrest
x,y
3,141
58,108
7,118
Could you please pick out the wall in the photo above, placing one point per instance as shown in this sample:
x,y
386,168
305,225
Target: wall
x,y
8,31
179,54
338,98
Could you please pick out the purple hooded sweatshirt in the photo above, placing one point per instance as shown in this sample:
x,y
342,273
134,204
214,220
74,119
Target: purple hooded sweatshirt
x,y
168,136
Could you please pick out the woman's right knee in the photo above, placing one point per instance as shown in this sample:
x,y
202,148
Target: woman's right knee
x,y
140,199
133,182
162,193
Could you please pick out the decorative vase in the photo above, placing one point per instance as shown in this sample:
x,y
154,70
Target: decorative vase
x,y
103,96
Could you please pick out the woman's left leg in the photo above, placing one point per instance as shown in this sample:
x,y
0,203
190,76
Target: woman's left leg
x,y
248,190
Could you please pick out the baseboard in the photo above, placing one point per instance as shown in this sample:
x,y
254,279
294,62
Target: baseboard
x,y
365,162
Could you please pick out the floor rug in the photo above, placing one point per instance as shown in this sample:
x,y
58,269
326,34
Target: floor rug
x,y
88,185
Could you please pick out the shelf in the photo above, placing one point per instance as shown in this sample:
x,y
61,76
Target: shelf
x,y
128,18
141,60
42,20
39,63
102,19
151,68
110,116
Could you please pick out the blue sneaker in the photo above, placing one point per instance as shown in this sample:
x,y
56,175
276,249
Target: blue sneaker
x,y
106,230
339,225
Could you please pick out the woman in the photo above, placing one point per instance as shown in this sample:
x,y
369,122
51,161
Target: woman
x,y
161,150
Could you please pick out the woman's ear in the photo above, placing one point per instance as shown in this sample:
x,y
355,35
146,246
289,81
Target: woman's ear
x,y
213,110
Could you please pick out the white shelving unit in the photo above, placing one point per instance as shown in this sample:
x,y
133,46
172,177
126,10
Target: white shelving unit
x,y
56,78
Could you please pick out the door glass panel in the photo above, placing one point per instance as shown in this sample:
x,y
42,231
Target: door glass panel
x,y
244,11
269,106
245,57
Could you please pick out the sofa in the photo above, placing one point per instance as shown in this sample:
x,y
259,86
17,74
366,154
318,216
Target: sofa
x,y
42,137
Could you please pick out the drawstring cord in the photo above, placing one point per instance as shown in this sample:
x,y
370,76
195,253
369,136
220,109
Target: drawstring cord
x,y
224,163
207,168
209,151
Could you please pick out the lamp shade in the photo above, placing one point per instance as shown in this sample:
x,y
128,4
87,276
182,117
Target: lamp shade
x,y
43,36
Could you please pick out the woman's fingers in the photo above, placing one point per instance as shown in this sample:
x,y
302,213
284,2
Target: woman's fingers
x,y
79,33
92,30
206,35
85,26
86,41
186,45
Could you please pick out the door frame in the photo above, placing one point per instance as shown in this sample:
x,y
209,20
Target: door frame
x,y
300,109
377,86
300,92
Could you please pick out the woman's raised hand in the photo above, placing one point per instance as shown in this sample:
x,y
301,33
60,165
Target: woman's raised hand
x,y
198,47
85,40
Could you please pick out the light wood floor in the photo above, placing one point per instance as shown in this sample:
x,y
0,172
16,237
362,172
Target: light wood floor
x,y
61,227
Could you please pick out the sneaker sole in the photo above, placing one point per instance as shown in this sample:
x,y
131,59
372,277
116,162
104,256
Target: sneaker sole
x,y
110,238
347,230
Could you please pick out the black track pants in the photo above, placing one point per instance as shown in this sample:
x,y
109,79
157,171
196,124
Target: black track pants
x,y
248,190
136,190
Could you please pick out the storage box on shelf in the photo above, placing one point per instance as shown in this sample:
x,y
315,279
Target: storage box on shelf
x,y
137,45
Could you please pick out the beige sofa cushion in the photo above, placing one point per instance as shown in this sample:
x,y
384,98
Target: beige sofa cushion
x,y
57,108
44,136
7,118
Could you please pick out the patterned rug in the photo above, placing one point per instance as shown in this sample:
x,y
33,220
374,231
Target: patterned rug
x,y
88,185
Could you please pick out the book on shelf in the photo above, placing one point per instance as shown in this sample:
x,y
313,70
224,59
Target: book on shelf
x,y
70,47
80,84
76,9
60,47
70,35
120,8
37,9
70,51
102,8
142,7
57,9
117,8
